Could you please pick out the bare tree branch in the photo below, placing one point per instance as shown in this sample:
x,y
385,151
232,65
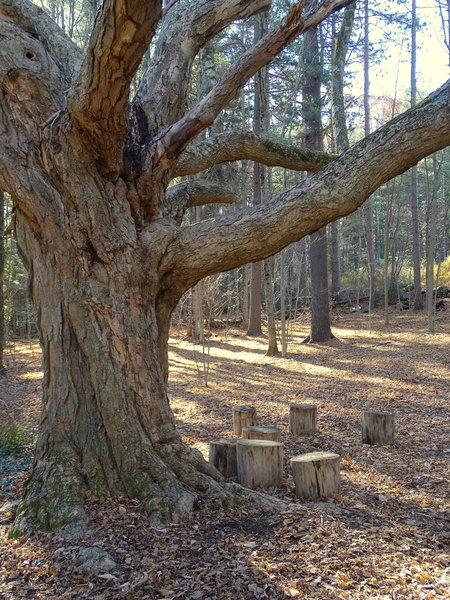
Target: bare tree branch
x,y
195,193
335,191
122,32
163,89
244,145
36,22
178,136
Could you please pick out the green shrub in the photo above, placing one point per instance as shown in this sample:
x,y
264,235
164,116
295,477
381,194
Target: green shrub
x,y
16,439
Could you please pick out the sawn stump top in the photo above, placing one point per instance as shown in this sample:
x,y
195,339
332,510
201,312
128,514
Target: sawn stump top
x,y
258,443
312,456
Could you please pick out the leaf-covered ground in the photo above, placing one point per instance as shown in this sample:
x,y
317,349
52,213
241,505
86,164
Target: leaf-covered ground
x,y
386,537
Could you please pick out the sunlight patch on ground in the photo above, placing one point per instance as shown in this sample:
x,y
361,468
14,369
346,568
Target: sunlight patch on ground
x,y
36,375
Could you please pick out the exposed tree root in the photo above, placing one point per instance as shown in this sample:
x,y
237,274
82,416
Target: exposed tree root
x,y
58,504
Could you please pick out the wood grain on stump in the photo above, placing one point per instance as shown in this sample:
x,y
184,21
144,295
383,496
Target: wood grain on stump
x,y
243,416
377,428
316,475
302,419
262,433
259,463
222,455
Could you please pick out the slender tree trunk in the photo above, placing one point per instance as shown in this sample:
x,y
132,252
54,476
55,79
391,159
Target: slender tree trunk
x,y
431,246
198,318
283,328
245,296
418,301
254,327
335,259
272,346
312,109
445,249
262,121
320,313
368,208
303,267
272,349
386,269
387,249
339,124
254,321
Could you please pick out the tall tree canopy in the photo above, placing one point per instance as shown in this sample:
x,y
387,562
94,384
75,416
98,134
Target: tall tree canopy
x,y
88,168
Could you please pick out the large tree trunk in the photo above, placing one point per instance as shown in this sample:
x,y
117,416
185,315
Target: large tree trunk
x,y
107,425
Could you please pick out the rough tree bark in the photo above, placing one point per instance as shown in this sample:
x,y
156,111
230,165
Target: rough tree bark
x,y
108,260
320,330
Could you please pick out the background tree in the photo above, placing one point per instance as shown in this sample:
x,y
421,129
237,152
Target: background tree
x,y
260,125
368,210
415,233
312,117
433,187
341,39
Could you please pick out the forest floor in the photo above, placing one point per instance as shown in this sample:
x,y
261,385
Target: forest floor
x,y
386,537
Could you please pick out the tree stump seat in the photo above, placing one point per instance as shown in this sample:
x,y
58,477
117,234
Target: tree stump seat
x,y
316,475
377,428
303,419
243,416
222,455
259,463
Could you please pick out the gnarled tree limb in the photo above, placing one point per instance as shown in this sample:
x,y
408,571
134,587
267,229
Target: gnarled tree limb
x,y
195,193
170,145
245,145
122,32
164,86
335,191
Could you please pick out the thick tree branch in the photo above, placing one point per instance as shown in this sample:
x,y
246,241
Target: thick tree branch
x,y
37,23
244,145
335,191
170,145
122,32
163,90
195,193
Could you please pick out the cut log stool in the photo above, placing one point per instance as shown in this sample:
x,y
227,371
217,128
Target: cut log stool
x,y
222,455
316,474
377,428
302,419
259,463
243,416
262,433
